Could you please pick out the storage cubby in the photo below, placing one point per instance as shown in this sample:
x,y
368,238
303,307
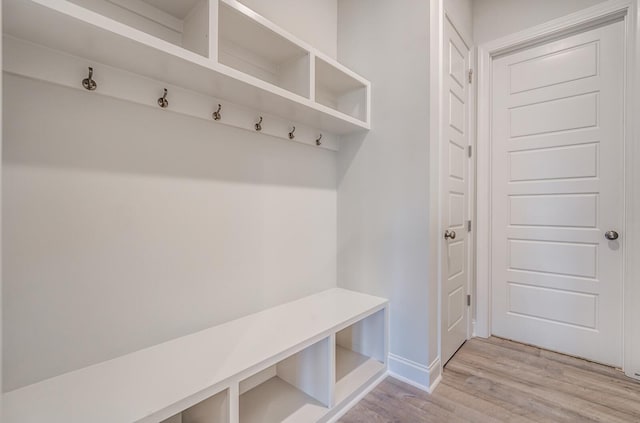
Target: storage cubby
x,y
184,23
340,91
214,409
298,388
360,354
249,46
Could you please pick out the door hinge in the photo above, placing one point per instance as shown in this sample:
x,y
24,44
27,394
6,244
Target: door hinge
x,y
468,226
468,300
470,76
470,150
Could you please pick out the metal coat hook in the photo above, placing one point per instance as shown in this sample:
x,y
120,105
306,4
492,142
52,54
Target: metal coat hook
x,y
259,125
216,114
292,134
162,101
318,142
88,83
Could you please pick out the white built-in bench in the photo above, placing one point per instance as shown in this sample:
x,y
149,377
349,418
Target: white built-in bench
x,y
304,361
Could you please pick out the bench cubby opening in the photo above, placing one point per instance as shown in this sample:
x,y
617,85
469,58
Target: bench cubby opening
x,y
360,354
214,409
297,388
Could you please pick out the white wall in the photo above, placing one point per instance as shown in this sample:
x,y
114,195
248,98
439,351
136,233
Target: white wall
x,y
497,18
124,226
313,21
383,175
461,12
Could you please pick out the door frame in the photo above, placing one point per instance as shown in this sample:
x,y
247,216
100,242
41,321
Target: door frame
x,y
578,22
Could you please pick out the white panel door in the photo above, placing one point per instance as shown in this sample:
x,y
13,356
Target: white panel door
x,y
455,192
557,183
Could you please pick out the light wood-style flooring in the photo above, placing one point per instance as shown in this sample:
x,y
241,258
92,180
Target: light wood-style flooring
x,y
495,380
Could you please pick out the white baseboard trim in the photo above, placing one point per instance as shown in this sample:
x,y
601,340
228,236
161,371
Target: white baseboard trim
x,y
415,374
435,384
348,406
435,374
409,382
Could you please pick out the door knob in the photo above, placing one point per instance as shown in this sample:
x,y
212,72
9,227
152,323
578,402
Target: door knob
x,y
449,234
611,235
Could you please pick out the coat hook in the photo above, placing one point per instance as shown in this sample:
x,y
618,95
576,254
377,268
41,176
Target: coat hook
x,y
162,101
318,142
89,83
216,114
292,134
259,125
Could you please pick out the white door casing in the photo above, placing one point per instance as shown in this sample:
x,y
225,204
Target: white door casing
x,y
557,187
454,174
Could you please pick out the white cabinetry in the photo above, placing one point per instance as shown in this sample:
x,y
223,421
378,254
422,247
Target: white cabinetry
x,y
216,48
304,361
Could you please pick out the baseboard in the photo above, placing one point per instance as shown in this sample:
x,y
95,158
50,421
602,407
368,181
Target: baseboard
x,y
435,374
415,374
348,406
435,383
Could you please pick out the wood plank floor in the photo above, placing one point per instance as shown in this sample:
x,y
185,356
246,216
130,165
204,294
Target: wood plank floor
x,y
494,380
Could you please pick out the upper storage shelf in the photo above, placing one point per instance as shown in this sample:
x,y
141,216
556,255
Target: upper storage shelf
x,y
341,89
184,23
249,46
219,48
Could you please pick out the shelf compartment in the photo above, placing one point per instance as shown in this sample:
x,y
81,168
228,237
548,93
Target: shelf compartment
x,y
214,409
184,23
249,46
297,389
337,89
360,355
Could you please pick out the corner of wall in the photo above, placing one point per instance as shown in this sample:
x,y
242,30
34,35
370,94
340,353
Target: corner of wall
x,y
383,178
415,374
